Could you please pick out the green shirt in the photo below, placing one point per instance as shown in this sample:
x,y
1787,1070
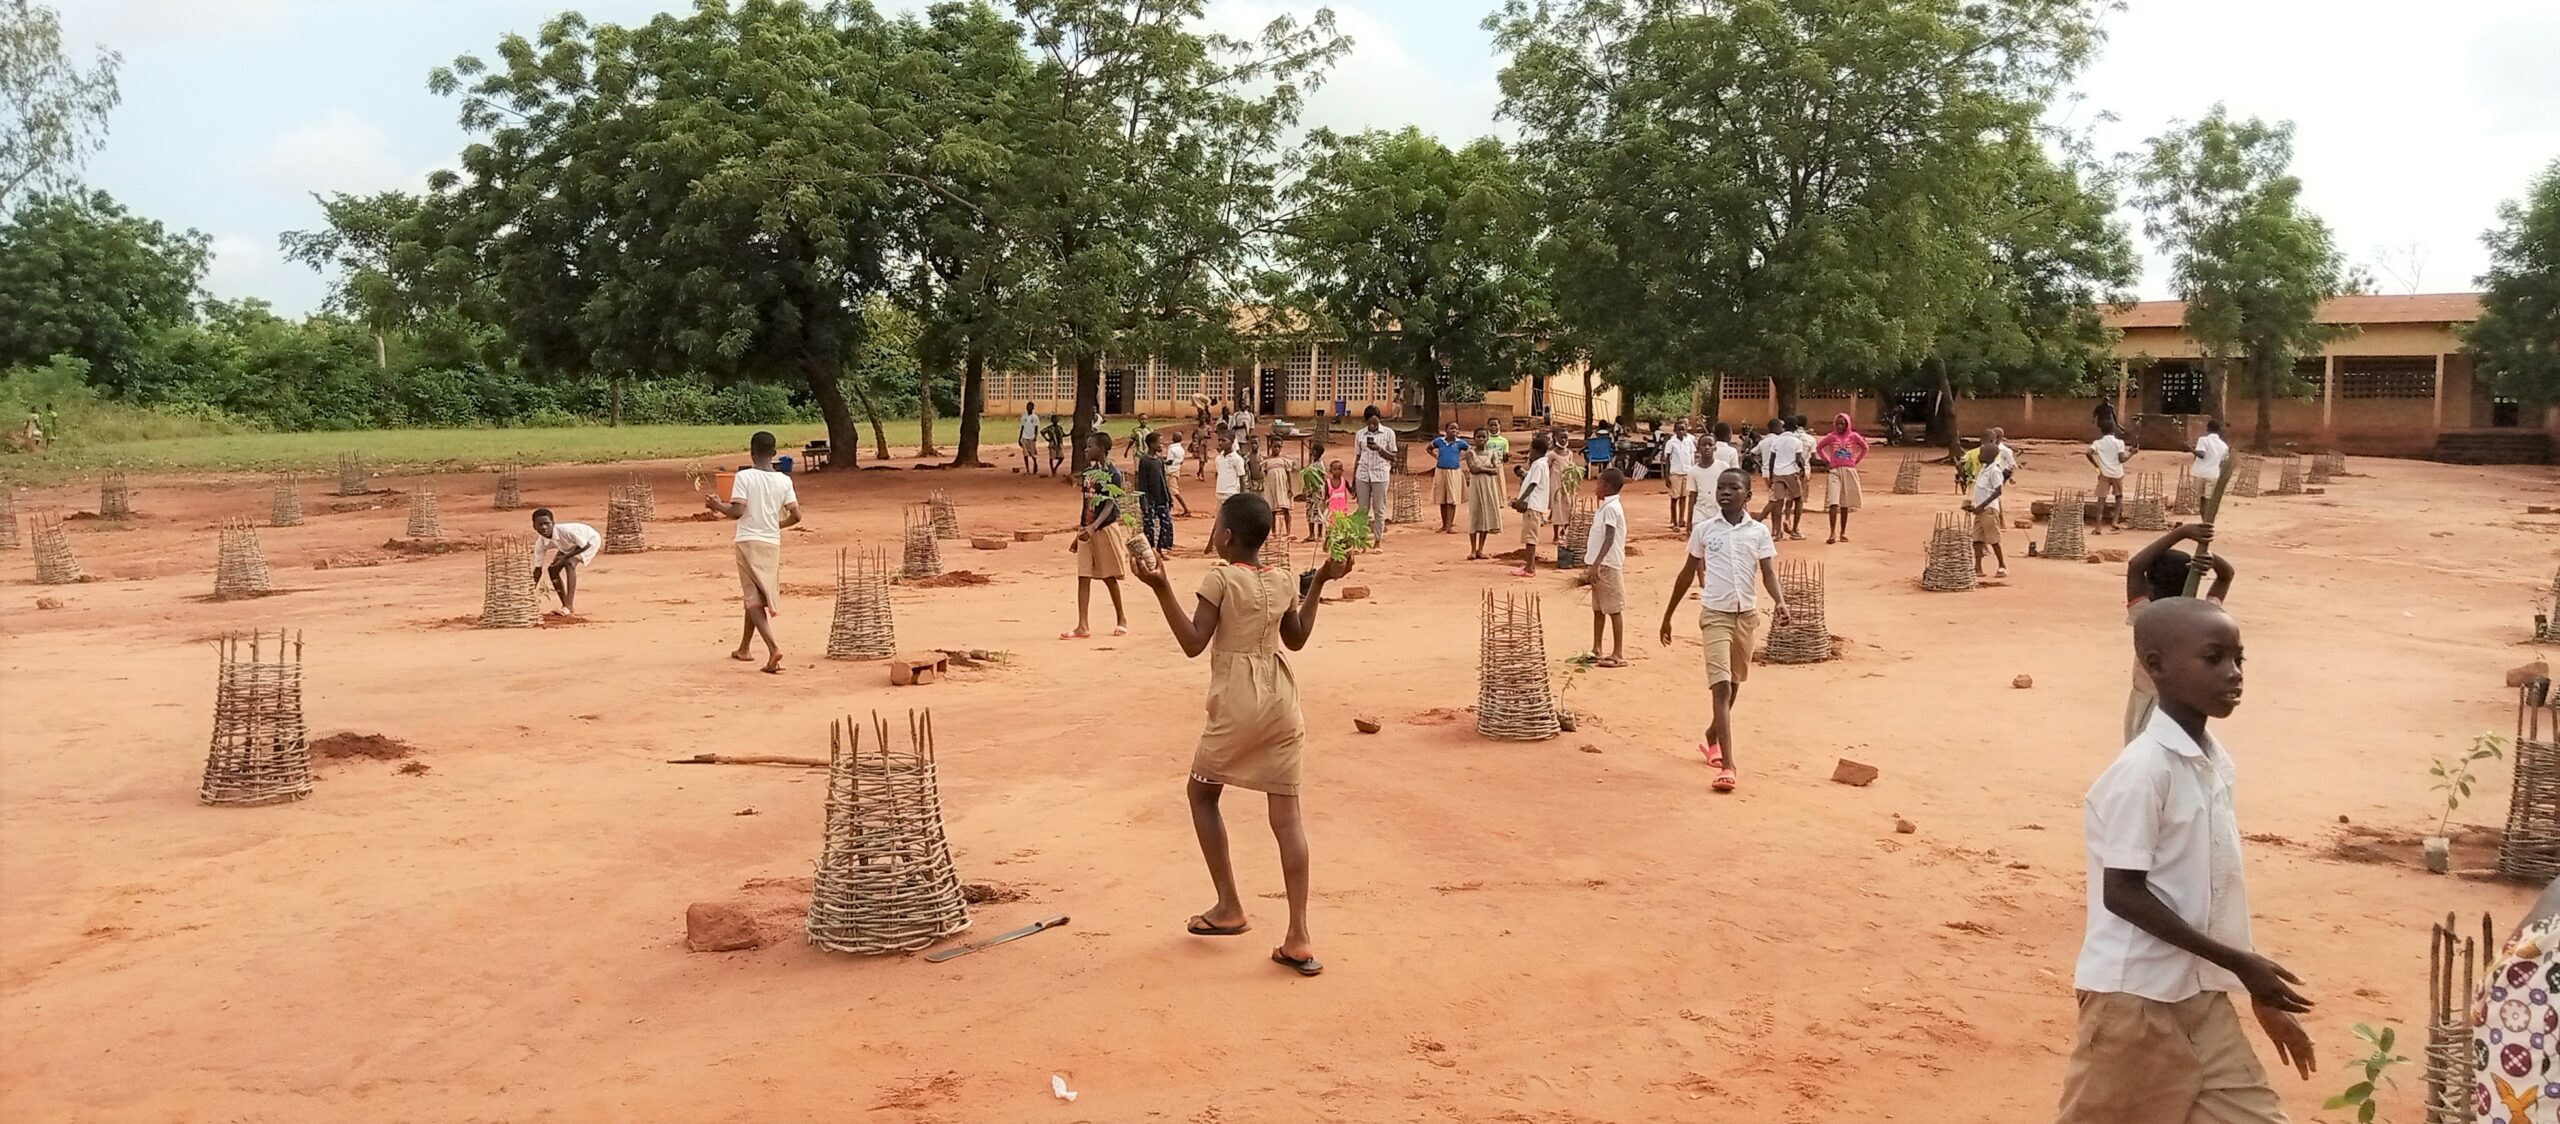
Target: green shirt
x,y
1498,445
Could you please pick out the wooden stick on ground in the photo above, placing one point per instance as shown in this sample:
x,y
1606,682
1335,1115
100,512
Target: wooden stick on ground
x,y
749,759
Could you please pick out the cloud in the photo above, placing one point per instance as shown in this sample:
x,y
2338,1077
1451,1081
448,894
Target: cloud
x,y
1380,84
2513,77
144,24
339,152
246,265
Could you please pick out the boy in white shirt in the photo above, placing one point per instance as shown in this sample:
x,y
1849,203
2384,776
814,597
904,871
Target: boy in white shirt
x,y
1532,501
764,503
1608,561
1173,459
2168,939
1985,502
1030,439
1679,466
1781,457
569,546
1230,471
2210,451
1723,552
2107,454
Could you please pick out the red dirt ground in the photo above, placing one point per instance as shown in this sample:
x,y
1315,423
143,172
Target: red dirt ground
x,y
1514,932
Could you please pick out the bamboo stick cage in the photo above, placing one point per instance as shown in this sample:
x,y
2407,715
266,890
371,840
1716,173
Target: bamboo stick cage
x,y
865,627
885,881
260,752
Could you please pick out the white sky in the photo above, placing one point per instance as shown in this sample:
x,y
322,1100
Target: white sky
x,y
2412,121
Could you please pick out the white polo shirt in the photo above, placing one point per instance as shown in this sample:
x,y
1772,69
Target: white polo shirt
x,y
1679,453
1729,557
2110,453
1534,486
1781,454
1230,474
2164,808
2211,449
1377,455
1988,482
1610,515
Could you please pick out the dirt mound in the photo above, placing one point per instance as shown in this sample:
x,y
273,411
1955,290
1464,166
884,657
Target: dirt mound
x,y
348,562
429,546
372,747
954,578
982,893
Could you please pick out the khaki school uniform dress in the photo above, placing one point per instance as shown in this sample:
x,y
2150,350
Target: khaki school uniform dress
x,y
1484,493
1255,731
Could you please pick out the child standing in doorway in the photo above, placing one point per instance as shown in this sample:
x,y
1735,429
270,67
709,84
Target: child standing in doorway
x,y
1608,561
1724,551
1245,616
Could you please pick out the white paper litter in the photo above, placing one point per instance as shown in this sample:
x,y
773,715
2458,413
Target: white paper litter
x,y
1058,1085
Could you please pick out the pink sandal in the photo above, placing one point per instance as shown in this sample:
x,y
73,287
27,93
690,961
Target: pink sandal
x,y
1726,778
1713,753
1075,634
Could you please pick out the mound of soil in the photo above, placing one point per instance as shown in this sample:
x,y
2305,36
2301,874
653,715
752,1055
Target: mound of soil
x,y
429,546
954,578
982,893
372,747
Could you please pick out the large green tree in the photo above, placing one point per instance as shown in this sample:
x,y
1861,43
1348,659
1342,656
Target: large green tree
x,y
81,276
1145,175
1770,186
363,236
53,112
705,192
2518,335
2251,262
1426,259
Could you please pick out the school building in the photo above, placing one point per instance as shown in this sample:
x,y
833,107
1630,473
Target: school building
x,y
2396,381
1290,380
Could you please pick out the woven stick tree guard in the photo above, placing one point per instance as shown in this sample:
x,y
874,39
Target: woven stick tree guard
x,y
1574,546
2065,530
625,532
2289,475
115,497
946,518
644,494
287,508
2190,496
55,564
241,569
2327,467
864,628
885,882
1906,477
510,591
260,752
2248,468
8,518
923,558
351,475
1513,702
2547,623
1806,637
1404,502
1950,564
423,521
510,495
2530,851
2150,509
2454,963
1276,553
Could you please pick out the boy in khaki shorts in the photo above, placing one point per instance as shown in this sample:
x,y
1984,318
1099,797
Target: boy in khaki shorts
x,y
1985,504
1608,561
1532,503
2159,1040
1723,552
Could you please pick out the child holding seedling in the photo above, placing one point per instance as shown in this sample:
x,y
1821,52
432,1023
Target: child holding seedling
x,y
2168,941
1244,616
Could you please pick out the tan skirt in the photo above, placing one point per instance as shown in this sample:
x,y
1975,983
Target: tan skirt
x,y
1255,737
759,572
1104,555
1842,492
1448,487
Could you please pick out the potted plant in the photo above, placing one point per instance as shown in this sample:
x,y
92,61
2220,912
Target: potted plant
x,y
2453,783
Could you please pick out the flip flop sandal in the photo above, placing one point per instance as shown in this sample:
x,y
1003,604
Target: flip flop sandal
x,y
1713,753
1199,926
1075,636
1120,630
1726,778
1307,967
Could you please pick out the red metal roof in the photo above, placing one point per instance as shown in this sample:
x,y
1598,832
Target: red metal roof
x,y
2413,308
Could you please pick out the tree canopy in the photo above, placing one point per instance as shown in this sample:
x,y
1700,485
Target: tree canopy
x,y
1771,186
80,276
53,113
1424,258
2518,333
2251,262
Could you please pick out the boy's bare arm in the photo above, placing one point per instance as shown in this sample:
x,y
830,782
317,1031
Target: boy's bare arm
x,y
2128,894
1679,588
791,514
1777,597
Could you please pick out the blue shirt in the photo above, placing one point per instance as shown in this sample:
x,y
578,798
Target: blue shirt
x,y
1451,451
1599,448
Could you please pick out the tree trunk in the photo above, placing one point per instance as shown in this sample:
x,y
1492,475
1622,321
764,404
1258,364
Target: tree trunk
x,y
1786,387
825,385
973,408
924,415
2262,374
1587,394
2217,384
1430,403
616,379
381,349
1946,410
879,436
1088,400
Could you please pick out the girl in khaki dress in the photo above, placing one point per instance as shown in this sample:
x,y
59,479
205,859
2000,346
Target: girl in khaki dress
x,y
1484,496
1244,617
